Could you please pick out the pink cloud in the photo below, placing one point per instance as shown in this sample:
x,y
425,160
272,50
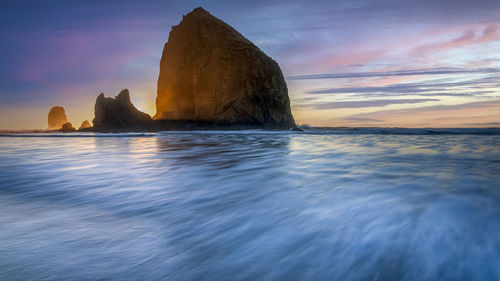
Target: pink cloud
x,y
469,37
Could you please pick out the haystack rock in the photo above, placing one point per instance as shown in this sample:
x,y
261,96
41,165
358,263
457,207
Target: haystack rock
x,y
119,112
209,72
56,118
85,124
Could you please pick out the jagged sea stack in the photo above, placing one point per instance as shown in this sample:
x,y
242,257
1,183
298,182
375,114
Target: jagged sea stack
x,y
119,113
210,73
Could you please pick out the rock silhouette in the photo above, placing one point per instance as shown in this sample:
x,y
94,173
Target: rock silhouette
x,y
85,124
56,118
119,113
210,73
67,127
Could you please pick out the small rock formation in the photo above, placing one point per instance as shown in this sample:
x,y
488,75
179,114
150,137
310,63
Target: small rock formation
x,y
85,125
67,127
119,113
56,118
209,72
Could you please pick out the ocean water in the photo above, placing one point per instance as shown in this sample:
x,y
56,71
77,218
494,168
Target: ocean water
x,y
372,204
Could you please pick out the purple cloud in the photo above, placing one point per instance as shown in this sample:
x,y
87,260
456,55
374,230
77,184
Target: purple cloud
x,y
367,103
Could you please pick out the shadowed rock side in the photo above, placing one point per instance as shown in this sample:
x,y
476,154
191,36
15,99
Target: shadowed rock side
x,y
119,113
85,124
56,118
211,73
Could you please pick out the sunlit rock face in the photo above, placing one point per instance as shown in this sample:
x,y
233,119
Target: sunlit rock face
x,y
56,118
118,112
85,124
210,72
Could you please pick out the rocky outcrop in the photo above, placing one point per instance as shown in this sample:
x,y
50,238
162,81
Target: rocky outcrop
x,y
119,113
85,124
56,118
68,127
210,73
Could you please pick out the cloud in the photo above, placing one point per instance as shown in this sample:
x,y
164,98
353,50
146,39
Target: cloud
x,y
489,34
484,124
361,120
363,104
414,72
348,58
464,114
480,87
432,108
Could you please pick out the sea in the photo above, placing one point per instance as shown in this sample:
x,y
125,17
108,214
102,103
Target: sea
x,y
323,204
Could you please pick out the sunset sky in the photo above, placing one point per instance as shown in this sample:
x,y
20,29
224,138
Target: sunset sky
x,y
398,63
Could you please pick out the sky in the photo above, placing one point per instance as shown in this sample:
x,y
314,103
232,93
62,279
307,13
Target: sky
x,y
358,63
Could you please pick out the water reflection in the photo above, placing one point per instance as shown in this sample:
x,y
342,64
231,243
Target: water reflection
x,y
223,152
250,206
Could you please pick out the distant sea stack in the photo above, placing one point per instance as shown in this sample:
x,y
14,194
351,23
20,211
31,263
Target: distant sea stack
x,y
57,118
67,127
210,73
85,124
119,113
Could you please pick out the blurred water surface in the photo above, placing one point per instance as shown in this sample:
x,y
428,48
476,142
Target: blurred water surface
x,y
250,206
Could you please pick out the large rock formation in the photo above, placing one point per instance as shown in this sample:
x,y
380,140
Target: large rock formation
x,y
119,113
209,72
56,118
